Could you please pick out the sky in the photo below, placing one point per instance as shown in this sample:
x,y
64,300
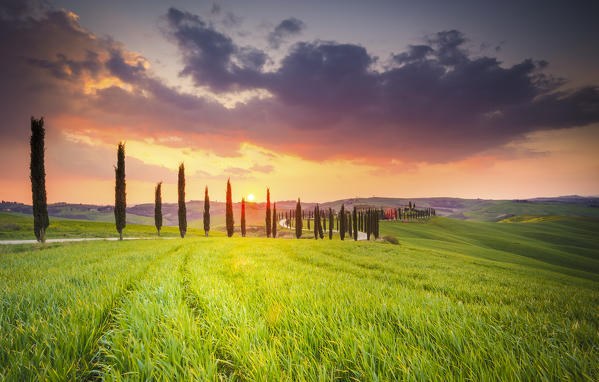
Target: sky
x,y
318,100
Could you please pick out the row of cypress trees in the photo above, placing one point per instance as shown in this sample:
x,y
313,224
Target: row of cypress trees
x,y
367,221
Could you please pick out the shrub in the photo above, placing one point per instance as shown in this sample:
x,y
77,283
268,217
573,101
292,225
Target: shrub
x,y
390,239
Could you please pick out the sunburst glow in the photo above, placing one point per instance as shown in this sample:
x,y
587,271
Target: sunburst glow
x,y
251,197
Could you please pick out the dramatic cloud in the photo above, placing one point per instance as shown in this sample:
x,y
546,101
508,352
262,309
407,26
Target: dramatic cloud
x,y
286,28
434,102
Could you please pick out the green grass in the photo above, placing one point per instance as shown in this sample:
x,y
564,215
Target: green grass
x,y
19,226
453,301
494,210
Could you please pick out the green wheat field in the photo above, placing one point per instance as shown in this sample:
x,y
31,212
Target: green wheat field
x,y
455,300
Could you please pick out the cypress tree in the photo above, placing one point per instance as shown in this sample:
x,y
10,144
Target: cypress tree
x,y
355,220
316,222
206,212
158,207
298,219
229,210
274,220
120,195
350,225
308,221
331,218
182,208
342,222
268,222
367,224
38,180
320,220
376,226
324,221
242,217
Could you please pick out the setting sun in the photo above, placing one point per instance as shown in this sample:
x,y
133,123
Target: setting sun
x,y
251,197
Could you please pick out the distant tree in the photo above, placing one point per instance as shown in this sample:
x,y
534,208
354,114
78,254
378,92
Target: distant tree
x,y
38,180
182,212
320,220
367,222
206,212
355,221
324,221
350,225
298,219
331,218
158,206
308,221
376,225
268,222
316,222
229,211
120,195
342,222
274,220
242,217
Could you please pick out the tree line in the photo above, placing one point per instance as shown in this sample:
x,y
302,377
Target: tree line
x,y
345,222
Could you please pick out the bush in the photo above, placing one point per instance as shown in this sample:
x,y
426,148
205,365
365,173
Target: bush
x,y
390,239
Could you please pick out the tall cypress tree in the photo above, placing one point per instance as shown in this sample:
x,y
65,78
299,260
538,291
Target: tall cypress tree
x,y
38,180
367,224
268,223
355,221
274,220
182,211
158,207
324,220
229,210
350,225
298,219
342,222
331,218
242,217
320,221
206,216
120,195
315,222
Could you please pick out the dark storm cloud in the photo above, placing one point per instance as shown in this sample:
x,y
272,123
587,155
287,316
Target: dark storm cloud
x,y
286,28
436,102
211,58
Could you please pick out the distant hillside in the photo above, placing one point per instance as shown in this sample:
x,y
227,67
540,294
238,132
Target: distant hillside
x,y
465,209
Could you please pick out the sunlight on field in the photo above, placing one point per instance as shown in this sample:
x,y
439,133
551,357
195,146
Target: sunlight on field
x,y
264,309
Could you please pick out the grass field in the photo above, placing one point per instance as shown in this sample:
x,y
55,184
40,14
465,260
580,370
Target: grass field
x,y
455,300
20,226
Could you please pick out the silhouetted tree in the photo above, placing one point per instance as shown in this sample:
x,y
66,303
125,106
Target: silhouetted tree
x,y
120,195
182,212
355,221
342,222
206,212
229,211
320,221
268,222
331,218
274,220
367,224
158,207
38,180
298,219
350,225
316,222
242,217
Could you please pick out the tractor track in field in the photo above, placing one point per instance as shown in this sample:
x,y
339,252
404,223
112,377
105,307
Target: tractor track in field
x,y
89,366
192,300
